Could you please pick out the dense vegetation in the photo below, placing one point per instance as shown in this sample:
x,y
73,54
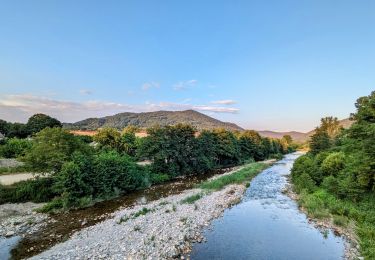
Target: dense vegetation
x,y
148,119
336,178
78,172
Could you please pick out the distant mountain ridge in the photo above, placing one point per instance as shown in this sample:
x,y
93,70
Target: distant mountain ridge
x,y
148,119
299,136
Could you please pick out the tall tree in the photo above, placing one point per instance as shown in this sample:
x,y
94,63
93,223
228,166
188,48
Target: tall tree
x,y
38,122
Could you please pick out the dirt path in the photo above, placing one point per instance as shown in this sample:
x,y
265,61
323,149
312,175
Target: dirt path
x,y
15,177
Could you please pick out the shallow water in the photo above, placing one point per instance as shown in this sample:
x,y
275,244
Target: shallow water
x,y
267,225
6,245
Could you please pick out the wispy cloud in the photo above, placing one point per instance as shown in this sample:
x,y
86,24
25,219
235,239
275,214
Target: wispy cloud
x,y
182,85
18,108
85,92
149,85
224,102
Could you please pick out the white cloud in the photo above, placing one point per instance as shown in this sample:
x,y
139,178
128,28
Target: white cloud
x,y
182,85
224,102
18,108
149,85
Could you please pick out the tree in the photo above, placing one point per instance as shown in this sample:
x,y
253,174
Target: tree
x,y
171,148
228,150
51,148
4,127
206,152
250,143
319,141
331,126
108,138
17,130
129,140
288,139
38,122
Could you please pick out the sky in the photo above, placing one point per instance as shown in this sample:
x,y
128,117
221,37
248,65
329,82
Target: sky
x,y
275,65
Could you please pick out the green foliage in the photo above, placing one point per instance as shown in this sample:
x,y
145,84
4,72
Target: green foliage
x,y
193,198
17,130
245,174
171,148
129,140
14,147
35,124
342,164
88,178
36,190
157,178
38,122
17,169
228,152
141,212
333,164
108,138
51,148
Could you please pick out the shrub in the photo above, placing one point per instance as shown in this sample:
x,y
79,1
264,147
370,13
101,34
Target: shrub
x,y
14,148
115,173
51,148
159,178
333,164
331,184
36,190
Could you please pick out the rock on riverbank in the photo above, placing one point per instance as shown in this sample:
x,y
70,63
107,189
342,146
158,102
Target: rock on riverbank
x,y
20,219
161,229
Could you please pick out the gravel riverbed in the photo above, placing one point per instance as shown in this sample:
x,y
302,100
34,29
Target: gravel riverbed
x,y
20,219
162,229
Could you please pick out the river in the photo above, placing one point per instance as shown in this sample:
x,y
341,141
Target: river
x,y
268,225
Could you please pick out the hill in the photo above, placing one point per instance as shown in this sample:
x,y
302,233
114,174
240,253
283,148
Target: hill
x,y
299,136
148,119
296,136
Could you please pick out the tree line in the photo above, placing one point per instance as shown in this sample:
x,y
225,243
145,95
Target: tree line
x,y
336,178
80,172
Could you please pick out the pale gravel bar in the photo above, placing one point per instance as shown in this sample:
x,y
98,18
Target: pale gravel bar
x,y
166,232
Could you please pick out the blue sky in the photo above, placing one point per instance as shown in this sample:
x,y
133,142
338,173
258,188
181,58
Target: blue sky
x,y
277,65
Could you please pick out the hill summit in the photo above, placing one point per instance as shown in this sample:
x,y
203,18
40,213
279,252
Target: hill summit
x,y
148,119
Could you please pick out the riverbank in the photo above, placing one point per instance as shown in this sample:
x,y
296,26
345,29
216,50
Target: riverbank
x,y
348,232
21,219
164,228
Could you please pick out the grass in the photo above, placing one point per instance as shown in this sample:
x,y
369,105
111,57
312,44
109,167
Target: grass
x,y
193,198
17,169
141,212
321,204
243,175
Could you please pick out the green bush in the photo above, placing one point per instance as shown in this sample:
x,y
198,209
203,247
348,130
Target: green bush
x,y
159,178
36,190
51,148
333,164
331,184
14,147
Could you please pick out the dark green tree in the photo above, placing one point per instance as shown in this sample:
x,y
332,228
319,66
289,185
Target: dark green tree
x,y
38,122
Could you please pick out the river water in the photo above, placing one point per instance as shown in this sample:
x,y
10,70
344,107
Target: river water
x,y
268,225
